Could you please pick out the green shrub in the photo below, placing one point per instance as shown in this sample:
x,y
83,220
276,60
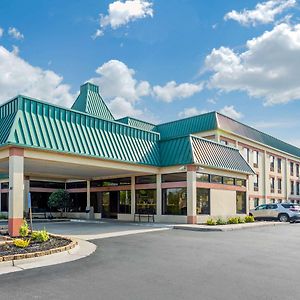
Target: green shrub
x,y
249,219
40,236
60,200
241,220
3,216
211,222
221,221
20,243
233,220
24,229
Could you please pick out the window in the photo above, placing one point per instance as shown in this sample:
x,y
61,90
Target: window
x,y
279,165
255,158
272,206
279,201
111,182
246,153
125,202
224,142
4,202
261,207
174,177
240,182
297,170
174,201
292,187
216,179
203,201
145,201
201,177
76,185
272,162
145,179
272,184
292,168
47,184
4,185
279,182
272,201
78,202
256,202
228,180
240,202
255,183
297,188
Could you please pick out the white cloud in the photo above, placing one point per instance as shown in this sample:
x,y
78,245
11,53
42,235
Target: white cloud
x,y
191,111
263,13
16,50
120,88
1,32
97,34
15,33
19,77
231,112
269,68
121,13
172,90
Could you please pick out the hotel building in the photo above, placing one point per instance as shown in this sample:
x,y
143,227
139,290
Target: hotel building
x,y
181,171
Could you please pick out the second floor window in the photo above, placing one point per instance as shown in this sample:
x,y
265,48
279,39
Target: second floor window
x,y
292,187
297,170
255,183
246,152
279,185
272,184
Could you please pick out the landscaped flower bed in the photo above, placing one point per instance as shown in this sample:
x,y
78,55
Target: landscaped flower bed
x,y
232,220
37,243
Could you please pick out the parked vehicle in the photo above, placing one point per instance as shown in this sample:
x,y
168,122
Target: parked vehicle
x,y
284,212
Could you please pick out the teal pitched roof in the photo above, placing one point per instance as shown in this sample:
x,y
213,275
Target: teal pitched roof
x,y
251,133
90,102
137,123
195,150
187,126
33,123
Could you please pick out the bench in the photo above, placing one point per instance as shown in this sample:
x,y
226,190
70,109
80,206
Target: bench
x,y
145,213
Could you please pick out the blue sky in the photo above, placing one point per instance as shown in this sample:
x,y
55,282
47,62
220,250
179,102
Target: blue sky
x,y
159,60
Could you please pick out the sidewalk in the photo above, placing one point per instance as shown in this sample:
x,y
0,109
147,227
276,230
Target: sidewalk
x,y
228,227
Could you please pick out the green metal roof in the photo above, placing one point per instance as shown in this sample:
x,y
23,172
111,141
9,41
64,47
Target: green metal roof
x,y
194,150
137,123
90,102
32,123
187,126
236,127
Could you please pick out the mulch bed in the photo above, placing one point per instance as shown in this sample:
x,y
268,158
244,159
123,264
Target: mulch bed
x,y
52,243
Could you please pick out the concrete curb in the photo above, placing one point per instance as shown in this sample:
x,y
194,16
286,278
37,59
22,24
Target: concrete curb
x,y
224,228
83,249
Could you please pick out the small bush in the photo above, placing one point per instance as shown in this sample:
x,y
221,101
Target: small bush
x,y
3,216
233,220
221,221
24,229
211,222
20,243
40,236
241,220
249,219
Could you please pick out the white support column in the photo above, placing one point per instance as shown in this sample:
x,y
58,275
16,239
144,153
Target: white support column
x,y
191,195
16,190
88,194
132,195
158,195
26,192
287,180
266,176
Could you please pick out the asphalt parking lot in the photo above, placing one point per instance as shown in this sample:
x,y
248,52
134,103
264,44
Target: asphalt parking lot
x,y
258,263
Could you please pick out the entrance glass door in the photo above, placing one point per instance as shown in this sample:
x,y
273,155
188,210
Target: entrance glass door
x,y
109,205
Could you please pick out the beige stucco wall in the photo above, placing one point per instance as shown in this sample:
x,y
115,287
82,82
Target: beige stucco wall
x,y
223,203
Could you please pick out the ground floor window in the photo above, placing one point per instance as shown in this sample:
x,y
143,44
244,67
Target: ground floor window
x,y
95,201
39,202
145,201
174,201
240,202
203,201
256,202
4,202
125,202
78,202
